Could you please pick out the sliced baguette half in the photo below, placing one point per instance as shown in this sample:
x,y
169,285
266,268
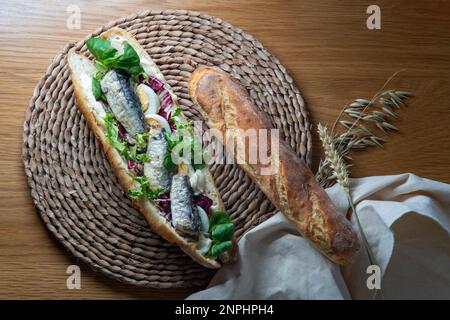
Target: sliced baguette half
x,y
82,70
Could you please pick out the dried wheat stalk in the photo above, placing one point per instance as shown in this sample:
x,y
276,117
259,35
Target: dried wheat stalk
x,y
363,119
339,172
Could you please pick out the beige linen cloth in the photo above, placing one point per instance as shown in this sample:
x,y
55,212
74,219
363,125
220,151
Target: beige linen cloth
x,y
406,220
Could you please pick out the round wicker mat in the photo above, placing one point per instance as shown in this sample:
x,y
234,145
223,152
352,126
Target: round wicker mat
x,y
71,182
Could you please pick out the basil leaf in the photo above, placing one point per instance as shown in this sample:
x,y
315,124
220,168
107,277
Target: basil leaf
x,y
222,232
129,57
100,48
101,70
129,62
103,98
168,163
96,89
106,58
218,248
218,217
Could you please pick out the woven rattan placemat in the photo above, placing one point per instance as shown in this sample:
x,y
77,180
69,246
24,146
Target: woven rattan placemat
x,y
71,182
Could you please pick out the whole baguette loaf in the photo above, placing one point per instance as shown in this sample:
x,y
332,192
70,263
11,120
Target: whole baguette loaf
x,y
293,189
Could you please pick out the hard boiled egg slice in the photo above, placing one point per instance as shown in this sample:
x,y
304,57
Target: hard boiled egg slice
x,y
156,117
149,99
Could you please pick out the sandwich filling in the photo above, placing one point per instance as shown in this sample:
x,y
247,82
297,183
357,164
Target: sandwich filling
x,y
143,123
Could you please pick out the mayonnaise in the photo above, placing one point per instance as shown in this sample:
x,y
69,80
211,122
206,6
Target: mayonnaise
x,y
198,181
204,244
204,220
95,106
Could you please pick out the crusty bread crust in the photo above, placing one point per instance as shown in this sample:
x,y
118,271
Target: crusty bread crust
x,y
149,211
293,188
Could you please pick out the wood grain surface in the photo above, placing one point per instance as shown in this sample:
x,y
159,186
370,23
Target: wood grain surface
x,y
325,46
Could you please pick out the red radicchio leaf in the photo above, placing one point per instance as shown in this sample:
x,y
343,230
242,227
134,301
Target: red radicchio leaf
x,y
166,100
155,83
163,114
204,202
166,116
163,202
122,130
131,164
172,125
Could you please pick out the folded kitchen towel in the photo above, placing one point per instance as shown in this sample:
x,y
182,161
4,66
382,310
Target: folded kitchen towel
x,y
406,220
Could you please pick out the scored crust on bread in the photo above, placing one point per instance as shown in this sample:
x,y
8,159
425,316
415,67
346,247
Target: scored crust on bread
x,y
293,189
82,70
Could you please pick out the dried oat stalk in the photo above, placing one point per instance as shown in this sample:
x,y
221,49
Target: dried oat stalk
x,y
363,121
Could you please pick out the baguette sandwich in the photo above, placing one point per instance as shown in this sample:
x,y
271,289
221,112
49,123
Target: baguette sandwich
x,y
130,107
292,188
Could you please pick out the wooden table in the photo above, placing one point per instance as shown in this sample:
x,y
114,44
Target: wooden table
x,y
325,46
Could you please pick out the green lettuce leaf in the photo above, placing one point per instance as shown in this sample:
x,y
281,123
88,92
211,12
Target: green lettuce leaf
x,y
144,191
112,134
142,139
127,152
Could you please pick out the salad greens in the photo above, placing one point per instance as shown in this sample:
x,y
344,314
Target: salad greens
x,y
183,135
142,139
222,229
126,151
172,141
144,190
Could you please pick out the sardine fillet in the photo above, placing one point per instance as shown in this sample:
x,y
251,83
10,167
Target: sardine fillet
x,y
184,213
123,101
154,170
